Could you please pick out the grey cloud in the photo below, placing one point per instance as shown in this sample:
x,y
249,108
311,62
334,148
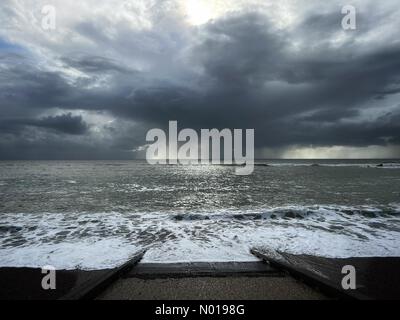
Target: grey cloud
x,y
94,64
65,123
252,79
248,74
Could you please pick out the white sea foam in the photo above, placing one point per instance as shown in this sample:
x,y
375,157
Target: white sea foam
x,y
85,254
104,240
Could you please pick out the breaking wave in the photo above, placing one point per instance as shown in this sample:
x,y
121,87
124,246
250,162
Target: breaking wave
x,y
102,240
293,213
378,165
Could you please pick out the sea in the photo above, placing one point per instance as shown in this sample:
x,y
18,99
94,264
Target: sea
x,y
97,214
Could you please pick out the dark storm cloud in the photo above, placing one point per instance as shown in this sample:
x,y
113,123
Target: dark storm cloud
x,y
295,86
65,123
254,80
26,88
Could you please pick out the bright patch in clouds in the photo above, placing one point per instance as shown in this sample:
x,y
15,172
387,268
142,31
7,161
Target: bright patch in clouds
x,y
342,152
200,11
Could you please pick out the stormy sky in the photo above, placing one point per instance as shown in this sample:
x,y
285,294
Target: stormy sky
x,y
111,70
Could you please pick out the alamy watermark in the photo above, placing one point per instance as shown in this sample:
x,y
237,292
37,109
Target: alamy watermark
x,y
349,21
49,17
185,147
349,280
49,280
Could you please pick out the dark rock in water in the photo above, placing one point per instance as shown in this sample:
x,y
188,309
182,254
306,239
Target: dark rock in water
x,y
273,216
247,216
291,214
380,165
178,217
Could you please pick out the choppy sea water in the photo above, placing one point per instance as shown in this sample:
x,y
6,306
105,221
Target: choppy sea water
x,y
96,214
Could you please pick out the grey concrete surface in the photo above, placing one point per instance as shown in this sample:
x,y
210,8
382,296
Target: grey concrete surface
x,y
212,288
